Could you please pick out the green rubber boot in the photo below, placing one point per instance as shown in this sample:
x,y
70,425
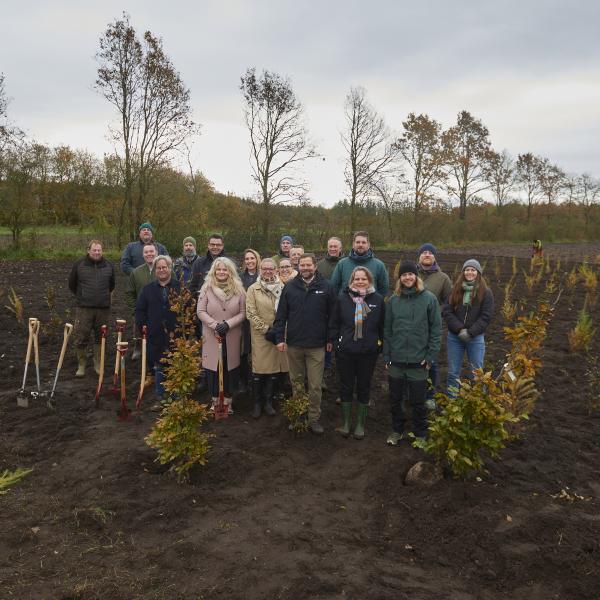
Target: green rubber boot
x,y
81,360
361,417
346,415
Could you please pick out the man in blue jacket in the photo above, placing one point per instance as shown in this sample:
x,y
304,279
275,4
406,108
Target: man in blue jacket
x,y
133,255
306,314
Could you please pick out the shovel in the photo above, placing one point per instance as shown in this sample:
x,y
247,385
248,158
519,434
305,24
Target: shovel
x,y
66,335
103,332
138,403
221,410
22,399
124,412
120,329
36,353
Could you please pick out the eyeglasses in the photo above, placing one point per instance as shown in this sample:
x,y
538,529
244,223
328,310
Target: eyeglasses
x,y
285,267
267,268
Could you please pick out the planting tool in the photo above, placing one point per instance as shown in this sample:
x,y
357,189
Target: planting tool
x,y
124,411
22,399
120,329
221,409
66,335
138,403
103,332
36,353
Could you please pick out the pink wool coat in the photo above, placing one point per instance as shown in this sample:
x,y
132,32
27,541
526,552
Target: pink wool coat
x,y
212,311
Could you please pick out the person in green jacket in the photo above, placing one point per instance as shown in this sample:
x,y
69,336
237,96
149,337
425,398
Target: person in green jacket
x,y
329,262
411,342
361,255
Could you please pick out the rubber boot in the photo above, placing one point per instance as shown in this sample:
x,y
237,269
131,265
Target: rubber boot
x,y
361,417
97,358
256,393
269,393
346,415
81,360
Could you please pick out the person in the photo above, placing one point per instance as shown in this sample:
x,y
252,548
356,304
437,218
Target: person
x,y
184,265
92,281
153,310
222,310
286,271
248,275
268,364
536,249
296,252
138,278
216,249
411,342
439,284
327,264
358,336
468,312
285,245
304,327
361,255
132,256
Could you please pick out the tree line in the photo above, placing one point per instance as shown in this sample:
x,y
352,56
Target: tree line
x,y
421,182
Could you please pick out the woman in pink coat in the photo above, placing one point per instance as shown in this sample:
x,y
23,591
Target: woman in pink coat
x,y
222,310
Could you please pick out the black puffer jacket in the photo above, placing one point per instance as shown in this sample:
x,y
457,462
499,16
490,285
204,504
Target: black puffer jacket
x,y
200,269
92,282
308,312
372,329
473,317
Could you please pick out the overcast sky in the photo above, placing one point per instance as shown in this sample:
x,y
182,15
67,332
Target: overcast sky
x,y
529,69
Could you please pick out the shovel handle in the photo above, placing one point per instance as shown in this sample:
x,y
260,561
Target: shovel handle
x,y
32,321
66,335
143,379
36,347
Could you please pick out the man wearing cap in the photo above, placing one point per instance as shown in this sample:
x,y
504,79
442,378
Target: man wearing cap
x,y
133,255
216,248
285,245
184,265
439,284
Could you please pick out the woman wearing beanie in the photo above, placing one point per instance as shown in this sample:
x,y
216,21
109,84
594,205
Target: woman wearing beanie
x,y
411,342
358,334
467,312
222,309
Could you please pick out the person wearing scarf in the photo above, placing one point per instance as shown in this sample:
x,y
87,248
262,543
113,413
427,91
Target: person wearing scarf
x,y
411,342
358,335
286,271
222,310
467,312
249,270
268,364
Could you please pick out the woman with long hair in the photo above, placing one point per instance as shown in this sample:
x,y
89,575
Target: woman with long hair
x,y
358,335
222,310
268,364
411,342
249,270
467,312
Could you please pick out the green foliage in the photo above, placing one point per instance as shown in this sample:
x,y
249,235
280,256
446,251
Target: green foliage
x,y
295,408
9,478
582,335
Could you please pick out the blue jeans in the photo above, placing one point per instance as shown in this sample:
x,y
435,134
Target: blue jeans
x,y
456,349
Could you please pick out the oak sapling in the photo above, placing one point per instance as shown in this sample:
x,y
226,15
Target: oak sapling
x,y
295,408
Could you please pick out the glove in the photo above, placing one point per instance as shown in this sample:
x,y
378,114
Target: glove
x,y
222,329
270,336
463,336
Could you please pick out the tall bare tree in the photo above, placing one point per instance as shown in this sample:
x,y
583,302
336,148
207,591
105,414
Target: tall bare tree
x,y
153,105
552,182
279,141
466,146
527,175
421,148
587,194
499,169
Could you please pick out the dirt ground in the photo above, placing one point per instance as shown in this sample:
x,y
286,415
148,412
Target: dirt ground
x,y
275,515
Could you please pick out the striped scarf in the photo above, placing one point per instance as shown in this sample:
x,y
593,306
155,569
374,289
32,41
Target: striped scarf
x,y
361,310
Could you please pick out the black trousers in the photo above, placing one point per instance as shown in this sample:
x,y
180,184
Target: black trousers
x,y
355,369
405,392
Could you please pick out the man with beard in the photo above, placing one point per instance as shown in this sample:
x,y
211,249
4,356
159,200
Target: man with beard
x,y
361,255
92,280
184,265
303,326
133,254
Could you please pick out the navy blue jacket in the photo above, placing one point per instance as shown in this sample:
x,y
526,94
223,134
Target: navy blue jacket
x,y
308,312
201,268
133,256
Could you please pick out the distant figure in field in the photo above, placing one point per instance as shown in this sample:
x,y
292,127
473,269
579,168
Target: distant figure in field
x,y
537,250
133,256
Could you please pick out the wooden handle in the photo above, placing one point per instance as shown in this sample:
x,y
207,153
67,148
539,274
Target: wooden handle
x,y
36,345
67,331
66,335
31,325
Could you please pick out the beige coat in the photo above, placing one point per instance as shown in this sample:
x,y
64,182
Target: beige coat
x,y
212,311
260,312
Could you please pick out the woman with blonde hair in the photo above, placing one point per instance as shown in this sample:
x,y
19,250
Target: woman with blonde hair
x,y
411,342
222,310
249,270
286,271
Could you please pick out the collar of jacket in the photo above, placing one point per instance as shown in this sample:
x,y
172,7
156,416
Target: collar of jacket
x,y
333,259
94,263
316,280
361,257
210,257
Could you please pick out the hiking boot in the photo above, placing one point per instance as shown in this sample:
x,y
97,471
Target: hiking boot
x,y
97,358
256,410
394,438
316,428
269,408
81,360
361,417
346,416
213,404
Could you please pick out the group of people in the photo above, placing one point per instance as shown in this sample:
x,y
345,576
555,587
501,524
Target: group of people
x,y
284,318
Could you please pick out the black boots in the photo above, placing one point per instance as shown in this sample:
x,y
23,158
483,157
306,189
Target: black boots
x,y
263,391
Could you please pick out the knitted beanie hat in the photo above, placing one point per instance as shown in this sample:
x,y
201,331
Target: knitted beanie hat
x,y
286,238
407,267
429,247
472,263
189,239
146,225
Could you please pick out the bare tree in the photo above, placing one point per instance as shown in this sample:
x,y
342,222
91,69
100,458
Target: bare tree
x,y
371,152
10,134
527,175
421,148
588,194
552,181
466,146
279,141
388,192
153,104
499,169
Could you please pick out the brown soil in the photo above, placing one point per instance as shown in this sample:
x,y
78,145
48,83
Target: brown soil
x,y
275,515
